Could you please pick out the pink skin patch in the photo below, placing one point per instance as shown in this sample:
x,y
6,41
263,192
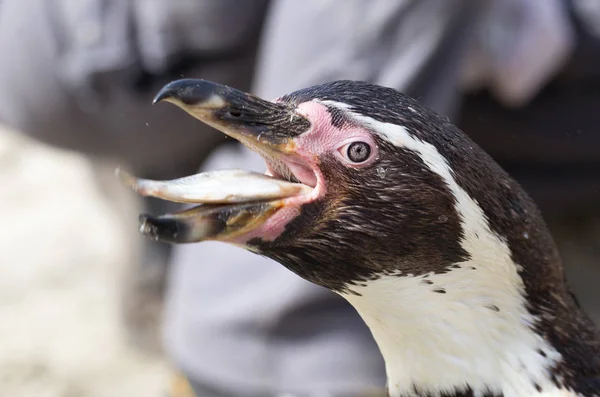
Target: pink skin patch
x,y
323,137
273,227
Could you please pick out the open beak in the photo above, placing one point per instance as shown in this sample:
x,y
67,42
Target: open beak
x,y
232,203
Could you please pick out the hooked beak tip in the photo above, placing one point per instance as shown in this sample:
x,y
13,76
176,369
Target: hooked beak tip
x,y
158,98
164,94
192,92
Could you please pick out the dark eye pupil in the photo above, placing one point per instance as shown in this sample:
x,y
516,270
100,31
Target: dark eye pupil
x,y
359,152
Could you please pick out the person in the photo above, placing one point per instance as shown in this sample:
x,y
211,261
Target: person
x,y
81,75
262,331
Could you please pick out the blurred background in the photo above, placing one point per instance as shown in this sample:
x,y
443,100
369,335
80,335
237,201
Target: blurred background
x,y
89,308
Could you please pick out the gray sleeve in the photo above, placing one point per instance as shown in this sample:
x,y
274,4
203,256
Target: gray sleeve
x,y
209,28
102,36
81,74
414,46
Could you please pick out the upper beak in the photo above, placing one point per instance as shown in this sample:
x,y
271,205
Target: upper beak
x,y
232,203
263,126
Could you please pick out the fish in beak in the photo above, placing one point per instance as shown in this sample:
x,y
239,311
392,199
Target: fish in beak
x,y
233,205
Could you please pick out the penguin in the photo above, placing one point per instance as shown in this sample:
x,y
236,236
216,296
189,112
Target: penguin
x,y
391,206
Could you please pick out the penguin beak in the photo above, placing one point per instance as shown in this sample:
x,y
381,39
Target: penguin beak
x,y
234,204
264,126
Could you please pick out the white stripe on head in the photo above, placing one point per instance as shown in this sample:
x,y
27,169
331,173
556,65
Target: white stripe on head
x,y
478,331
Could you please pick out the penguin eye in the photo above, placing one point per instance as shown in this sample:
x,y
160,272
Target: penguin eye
x,y
356,152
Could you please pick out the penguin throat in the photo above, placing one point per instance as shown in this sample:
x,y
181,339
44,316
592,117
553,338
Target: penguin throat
x,y
464,332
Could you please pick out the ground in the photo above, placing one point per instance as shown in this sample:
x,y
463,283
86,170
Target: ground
x,y
65,247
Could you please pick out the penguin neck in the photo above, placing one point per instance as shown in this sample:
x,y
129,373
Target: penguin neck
x,y
492,324
466,331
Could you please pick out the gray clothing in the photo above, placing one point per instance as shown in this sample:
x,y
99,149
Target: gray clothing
x,y
81,74
417,47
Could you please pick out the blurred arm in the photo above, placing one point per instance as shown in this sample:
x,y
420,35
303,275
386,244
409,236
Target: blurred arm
x,y
81,74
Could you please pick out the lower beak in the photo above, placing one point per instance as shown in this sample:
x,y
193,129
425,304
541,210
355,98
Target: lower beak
x,y
231,203
208,222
